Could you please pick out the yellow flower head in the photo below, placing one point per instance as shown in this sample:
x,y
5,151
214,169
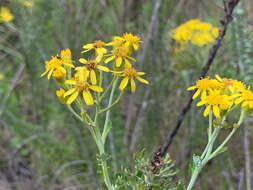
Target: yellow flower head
x,y
65,56
129,74
204,86
196,32
60,94
28,3
245,99
5,15
81,87
216,102
53,65
90,68
231,86
56,65
98,45
129,40
120,54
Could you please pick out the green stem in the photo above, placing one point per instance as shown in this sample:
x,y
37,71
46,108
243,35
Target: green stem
x,y
113,104
223,144
104,165
206,153
229,136
107,116
108,88
193,178
74,113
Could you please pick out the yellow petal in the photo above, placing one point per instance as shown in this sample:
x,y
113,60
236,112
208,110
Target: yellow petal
x,y
109,59
72,82
239,100
123,83
88,98
43,74
207,110
101,51
133,86
244,104
93,77
218,78
88,46
200,103
82,60
203,95
83,74
96,88
86,50
140,73
102,68
142,80
131,58
127,63
50,73
216,111
191,88
68,64
118,61
136,47
195,95
72,97
99,58
71,91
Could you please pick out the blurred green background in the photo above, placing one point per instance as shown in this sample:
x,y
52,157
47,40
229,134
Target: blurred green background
x,y
43,147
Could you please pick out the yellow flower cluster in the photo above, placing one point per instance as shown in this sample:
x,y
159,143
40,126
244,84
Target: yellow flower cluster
x,y
195,32
5,15
220,95
28,3
90,71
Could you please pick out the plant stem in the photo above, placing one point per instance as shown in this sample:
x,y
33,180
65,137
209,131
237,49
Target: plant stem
x,y
107,89
207,153
193,178
113,104
107,116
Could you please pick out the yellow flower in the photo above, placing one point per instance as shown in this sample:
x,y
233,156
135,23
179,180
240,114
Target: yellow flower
x,y
55,65
245,98
204,86
60,94
1,76
215,102
231,86
129,74
120,54
5,15
116,41
197,32
98,45
81,87
65,55
128,40
131,41
28,3
89,70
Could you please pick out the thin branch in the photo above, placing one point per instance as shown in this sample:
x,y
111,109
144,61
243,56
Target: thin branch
x,y
212,54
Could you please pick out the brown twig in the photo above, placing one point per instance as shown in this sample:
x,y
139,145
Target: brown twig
x,y
228,8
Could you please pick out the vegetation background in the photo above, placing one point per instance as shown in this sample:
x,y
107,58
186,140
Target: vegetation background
x,y
43,147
